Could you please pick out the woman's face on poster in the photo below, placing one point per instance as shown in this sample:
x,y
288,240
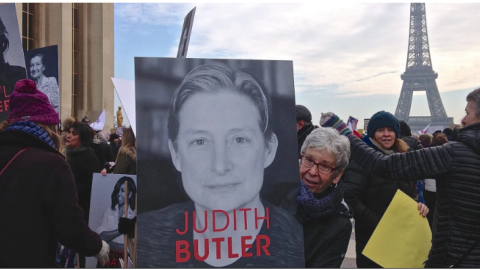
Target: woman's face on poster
x,y
121,195
36,67
221,151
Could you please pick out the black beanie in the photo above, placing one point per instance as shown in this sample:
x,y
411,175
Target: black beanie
x,y
302,113
383,119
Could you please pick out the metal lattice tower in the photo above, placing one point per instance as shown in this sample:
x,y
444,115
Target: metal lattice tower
x,y
419,75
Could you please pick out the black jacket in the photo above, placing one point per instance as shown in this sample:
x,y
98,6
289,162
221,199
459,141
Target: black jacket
x,y
369,196
456,167
83,165
38,205
303,133
326,238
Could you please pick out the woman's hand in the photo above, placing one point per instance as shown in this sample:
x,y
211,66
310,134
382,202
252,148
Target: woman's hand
x,y
104,172
423,209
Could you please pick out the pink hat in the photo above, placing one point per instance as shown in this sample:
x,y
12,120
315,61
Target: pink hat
x,y
29,104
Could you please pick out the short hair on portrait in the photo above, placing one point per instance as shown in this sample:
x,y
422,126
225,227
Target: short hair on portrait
x,y
85,133
212,78
329,139
131,188
475,97
42,59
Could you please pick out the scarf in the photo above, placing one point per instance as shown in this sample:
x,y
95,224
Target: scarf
x,y
32,128
70,151
315,208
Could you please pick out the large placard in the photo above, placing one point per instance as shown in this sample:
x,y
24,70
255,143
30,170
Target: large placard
x,y
108,203
12,61
217,164
42,66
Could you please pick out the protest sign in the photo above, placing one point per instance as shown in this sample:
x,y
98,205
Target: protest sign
x,y
99,123
126,93
42,66
107,205
403,237
12,61
186,33
217,164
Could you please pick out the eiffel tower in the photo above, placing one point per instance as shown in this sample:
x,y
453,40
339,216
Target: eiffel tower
x,y
419,76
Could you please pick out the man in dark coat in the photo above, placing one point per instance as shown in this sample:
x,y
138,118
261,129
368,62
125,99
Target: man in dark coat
x,y
304,124
455,166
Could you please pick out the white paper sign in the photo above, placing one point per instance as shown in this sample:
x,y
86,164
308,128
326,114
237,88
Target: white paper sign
x,y
99,123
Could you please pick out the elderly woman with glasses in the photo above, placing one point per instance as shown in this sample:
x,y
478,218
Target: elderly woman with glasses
x,y
327,227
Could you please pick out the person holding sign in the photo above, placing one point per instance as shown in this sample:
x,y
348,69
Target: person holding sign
x,y
455,167
326,227
220,140
38,196
114,224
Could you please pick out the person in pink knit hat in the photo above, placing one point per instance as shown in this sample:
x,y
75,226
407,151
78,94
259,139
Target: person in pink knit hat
x,y
38,197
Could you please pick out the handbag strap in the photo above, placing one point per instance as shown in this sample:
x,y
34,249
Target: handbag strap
x,y
457,263
12,159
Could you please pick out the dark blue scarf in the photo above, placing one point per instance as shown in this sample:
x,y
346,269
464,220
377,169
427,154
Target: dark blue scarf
x,y
32,128
315,208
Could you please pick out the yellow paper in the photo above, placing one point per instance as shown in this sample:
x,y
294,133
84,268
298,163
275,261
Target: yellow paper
x,y
403,238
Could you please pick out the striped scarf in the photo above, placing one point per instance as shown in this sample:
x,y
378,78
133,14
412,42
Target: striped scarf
x,y
32,128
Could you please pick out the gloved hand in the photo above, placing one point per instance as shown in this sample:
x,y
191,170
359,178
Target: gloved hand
x,y
330,119
126,225
102,256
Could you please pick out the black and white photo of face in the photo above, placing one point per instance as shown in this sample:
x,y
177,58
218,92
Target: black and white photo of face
x,y
36,67
221,151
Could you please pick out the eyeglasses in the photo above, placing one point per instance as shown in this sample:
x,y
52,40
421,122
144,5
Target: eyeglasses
x,y
309,163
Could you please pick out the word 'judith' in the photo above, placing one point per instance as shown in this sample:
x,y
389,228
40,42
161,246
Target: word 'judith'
x,y
262,242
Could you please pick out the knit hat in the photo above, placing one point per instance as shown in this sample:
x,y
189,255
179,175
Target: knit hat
x,y
29,104
383,119
303,113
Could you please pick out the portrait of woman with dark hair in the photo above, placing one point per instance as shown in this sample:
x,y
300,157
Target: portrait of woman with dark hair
x,y
221,140
109,229
9,74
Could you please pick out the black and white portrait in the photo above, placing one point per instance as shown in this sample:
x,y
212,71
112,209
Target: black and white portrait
x,y
42,66
217,164
108,203
12,62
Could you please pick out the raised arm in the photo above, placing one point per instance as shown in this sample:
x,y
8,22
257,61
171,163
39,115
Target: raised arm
x,y
418,164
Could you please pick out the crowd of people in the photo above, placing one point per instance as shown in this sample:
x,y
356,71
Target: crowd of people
x,y
46,173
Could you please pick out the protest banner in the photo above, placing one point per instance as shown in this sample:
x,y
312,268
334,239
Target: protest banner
x,y
108,204
126,93
186,33
217,164
42,66
12,61
403,237
99,123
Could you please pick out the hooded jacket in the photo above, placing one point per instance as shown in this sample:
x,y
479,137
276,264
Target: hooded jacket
x,y
456,167
38,205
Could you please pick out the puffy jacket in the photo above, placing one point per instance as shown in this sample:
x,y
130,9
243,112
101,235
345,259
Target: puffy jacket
x,y
38,205
456,168
369,196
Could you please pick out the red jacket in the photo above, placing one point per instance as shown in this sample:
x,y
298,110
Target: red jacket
x,y
38,205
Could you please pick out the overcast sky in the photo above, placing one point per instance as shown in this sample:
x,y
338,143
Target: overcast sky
x,y
347,57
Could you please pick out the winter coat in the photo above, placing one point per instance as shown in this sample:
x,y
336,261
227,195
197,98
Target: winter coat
x,y
369,196
126,162
83,165
456,167
38,205
326,239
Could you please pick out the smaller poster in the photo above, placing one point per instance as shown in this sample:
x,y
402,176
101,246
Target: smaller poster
x,y
108,204
186,33
99,123
42,66
12,61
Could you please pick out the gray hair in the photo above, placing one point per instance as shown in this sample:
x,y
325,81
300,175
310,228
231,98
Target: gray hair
x,y
329,139
475,97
